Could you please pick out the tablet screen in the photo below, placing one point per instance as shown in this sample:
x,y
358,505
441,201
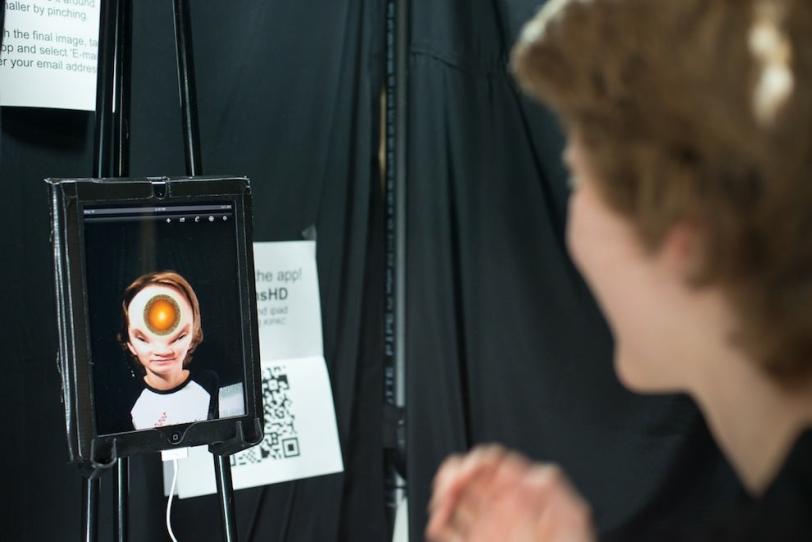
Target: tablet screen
x,y
164,314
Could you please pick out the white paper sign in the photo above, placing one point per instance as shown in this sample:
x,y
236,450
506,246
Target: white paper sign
x,y
288,305
49,54
301,436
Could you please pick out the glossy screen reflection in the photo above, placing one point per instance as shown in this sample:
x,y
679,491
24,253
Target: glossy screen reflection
x,y
164,315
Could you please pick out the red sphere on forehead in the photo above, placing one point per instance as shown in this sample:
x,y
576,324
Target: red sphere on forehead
x,y
162,314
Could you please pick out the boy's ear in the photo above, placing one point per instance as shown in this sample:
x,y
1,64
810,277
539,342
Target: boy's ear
x,y
131,349
682,249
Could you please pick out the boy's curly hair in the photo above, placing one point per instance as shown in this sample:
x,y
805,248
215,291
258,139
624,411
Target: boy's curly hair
x,y
669,96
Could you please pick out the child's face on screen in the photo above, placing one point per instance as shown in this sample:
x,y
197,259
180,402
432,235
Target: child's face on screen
x,y
160,329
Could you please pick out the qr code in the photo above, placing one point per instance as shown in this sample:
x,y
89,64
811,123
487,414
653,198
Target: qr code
x,y
281,439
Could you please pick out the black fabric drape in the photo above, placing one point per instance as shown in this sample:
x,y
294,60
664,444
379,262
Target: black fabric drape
x,y
504,341
288,95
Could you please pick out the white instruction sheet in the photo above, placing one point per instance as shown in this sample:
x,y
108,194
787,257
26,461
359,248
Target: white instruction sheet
x,y
301,436
49,54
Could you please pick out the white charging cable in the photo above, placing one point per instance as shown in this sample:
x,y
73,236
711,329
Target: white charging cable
x,y
173,455
169,502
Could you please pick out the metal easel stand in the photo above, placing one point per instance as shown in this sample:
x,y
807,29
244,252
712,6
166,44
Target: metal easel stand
x,y
111,158
191,143
101,168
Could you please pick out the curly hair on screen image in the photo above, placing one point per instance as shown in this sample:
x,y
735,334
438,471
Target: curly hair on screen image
x,y
699,114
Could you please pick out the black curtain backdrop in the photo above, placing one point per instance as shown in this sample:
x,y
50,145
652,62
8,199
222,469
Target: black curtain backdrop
x,y
288,95
505,343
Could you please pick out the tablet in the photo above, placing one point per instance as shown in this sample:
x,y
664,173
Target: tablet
x,y
157,315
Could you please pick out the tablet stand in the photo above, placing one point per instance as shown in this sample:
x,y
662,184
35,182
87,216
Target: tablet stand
x,y
111,158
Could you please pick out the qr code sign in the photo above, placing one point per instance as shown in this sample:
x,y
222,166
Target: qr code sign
x,y
281,439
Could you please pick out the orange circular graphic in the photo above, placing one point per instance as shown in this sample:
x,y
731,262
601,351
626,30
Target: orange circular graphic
x,y
162,314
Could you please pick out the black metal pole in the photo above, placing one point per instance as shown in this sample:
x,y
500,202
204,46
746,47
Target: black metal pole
x,y
401,104
123,89
122,487
397,47
191,140
187,86
225,492
101,168
104,89
121,168
90,509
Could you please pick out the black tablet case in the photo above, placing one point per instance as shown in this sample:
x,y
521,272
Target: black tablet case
x,y
85,446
